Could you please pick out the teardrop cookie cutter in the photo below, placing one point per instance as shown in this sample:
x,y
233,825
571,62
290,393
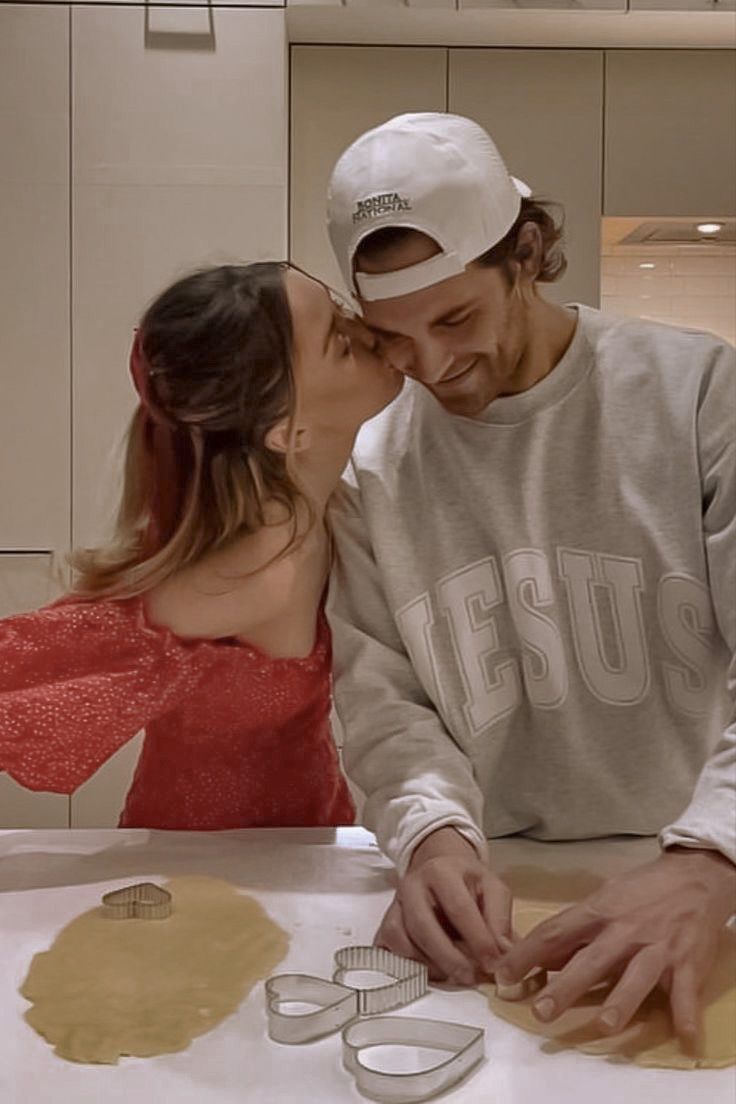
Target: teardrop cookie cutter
x,y
144,901
337,1002
464,1044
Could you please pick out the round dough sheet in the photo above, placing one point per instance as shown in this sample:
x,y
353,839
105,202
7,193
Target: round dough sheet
x,y
111,987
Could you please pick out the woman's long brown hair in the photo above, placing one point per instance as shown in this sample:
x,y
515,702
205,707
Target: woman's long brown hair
x,y
218,347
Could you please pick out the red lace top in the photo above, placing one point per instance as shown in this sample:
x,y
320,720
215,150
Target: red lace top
x,y
233,737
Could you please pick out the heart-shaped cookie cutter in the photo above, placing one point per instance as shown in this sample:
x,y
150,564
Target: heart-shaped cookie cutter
x,y
143,901
411,978
336,1006
337,1002
464,1044
341,1007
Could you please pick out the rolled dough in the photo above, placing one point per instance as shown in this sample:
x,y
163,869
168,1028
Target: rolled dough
x,y
111,987
648,1040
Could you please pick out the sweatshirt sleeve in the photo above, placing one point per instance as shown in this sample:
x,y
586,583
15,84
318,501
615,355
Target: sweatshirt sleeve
x,y
396,749
77,681
709,821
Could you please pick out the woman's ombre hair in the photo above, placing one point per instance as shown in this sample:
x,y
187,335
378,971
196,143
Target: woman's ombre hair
x,y
216,350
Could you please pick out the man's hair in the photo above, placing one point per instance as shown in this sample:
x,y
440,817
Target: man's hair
x,y
541,212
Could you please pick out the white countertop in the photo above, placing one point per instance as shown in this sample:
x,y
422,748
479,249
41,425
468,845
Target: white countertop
x,y
327,889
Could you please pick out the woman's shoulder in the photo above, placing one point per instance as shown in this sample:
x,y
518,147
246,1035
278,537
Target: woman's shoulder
x,y
233,591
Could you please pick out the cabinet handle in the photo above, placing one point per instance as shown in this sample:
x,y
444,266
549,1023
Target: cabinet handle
x,y
179,28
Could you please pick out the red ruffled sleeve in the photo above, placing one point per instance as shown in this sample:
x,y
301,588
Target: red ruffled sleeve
x,y
77,681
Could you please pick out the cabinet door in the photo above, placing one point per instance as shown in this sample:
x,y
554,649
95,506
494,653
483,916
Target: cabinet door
x,y
682,5
670,122
34,278
337,92
543,108
99,801
179,160
27,582
177,3
575,5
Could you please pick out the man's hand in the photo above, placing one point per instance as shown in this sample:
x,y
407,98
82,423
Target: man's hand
x,y
657,925
450,911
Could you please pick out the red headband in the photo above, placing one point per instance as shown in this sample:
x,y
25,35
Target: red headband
x,y
170,455
140,371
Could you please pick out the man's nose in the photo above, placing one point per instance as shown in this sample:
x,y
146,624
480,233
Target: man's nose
x,y
430,362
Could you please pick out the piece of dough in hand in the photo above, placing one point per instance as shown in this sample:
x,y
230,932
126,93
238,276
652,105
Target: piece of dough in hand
x,y
135,987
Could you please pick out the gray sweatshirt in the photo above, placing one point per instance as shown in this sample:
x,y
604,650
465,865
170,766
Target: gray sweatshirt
x,y
534,611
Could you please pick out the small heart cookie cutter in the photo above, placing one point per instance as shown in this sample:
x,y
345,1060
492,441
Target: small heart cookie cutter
x,y
143,901
464,1044
340,1003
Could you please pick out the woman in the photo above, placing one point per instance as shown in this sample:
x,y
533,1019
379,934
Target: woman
x,y
202,621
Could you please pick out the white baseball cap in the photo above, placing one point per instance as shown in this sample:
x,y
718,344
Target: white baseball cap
x,y
437,173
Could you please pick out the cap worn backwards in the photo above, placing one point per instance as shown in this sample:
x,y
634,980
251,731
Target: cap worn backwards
x,y
436,173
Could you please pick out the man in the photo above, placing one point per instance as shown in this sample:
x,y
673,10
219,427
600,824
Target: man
x,y
534,604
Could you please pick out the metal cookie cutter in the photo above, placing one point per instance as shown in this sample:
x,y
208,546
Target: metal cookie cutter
x,y
338,1003
410,983
146,901
464,1043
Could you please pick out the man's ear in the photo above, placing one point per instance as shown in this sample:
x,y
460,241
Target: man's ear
x,y
529,251
280,437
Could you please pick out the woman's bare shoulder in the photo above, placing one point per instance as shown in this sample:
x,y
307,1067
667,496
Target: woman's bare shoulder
x,y
234,591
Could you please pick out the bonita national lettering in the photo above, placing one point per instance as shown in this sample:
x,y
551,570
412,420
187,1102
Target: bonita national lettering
x,y
384,204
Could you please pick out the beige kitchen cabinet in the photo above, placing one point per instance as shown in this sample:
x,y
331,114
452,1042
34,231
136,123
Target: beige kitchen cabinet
x,y
27,582
172,3
337,93
179,160
670,125
34,279
99,801
543,109
682,5
420,5
550,5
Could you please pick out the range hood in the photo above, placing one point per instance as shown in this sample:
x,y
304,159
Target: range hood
x,y
668,232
